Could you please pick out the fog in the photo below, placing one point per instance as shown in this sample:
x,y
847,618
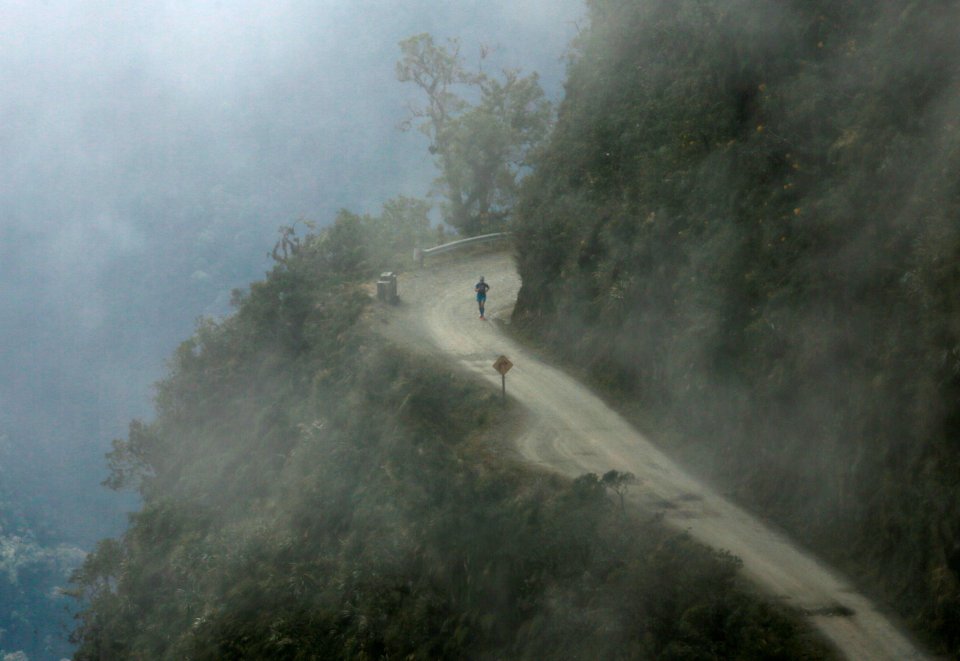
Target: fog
x,y
743,228
151,150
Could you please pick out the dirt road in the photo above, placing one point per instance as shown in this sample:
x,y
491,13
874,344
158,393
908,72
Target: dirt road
x,y
574,432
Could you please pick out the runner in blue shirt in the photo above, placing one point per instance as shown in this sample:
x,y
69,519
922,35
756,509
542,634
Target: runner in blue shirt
x,y
481,288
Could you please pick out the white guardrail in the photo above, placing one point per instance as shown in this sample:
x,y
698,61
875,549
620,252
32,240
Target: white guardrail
x,y
420,254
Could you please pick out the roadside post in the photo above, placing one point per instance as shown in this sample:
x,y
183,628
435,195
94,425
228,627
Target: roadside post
x,y
503,365
387,287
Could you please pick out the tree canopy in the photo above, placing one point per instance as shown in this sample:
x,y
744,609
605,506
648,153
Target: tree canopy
x,y
481,128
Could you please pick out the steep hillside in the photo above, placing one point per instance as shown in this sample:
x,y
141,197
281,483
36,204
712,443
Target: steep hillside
x,y
310,493
746,228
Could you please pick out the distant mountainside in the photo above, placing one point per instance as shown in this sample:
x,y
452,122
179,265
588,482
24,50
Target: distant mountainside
x,y
746,228
33,609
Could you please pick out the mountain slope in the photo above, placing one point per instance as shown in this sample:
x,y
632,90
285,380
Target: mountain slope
x,y
312,492
745,229
572,432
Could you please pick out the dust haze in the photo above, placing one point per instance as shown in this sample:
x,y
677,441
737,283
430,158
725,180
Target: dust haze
x,y
151,150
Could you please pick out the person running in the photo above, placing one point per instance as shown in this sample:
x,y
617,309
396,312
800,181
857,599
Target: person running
x,y
481,288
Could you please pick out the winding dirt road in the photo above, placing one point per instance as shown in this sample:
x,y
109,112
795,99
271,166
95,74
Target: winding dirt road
x,y
574,432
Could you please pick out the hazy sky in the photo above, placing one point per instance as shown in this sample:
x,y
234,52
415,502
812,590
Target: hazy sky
x,y
150,151
295,101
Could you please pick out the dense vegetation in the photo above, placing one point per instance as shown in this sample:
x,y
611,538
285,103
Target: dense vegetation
x,y
309,493
746,224
481,128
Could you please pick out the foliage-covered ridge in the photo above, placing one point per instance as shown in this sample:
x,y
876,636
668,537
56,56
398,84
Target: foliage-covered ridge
x,y
309,493
746,225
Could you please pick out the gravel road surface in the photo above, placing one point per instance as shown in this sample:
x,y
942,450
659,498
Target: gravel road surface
x,y
572,432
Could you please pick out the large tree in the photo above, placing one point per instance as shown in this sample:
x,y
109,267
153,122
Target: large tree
x,y
481,144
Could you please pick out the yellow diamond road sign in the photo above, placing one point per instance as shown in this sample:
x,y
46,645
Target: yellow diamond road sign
x,y
502,365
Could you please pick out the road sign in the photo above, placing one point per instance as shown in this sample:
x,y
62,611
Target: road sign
x,y
503,366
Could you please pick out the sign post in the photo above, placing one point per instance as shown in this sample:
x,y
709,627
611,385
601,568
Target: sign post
x,y
503,365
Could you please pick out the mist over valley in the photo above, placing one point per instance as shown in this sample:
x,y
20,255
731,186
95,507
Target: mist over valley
x,y
724,270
